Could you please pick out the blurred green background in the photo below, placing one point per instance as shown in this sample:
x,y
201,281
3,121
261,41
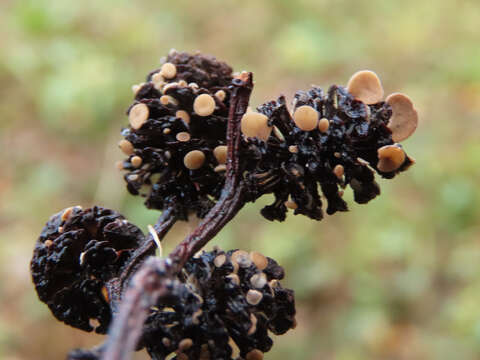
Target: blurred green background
x,y
398,278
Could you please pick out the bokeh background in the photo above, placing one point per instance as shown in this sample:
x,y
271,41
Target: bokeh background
x,y
398,278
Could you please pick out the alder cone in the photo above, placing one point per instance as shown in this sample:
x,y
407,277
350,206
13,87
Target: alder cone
x,y
223,297
77,253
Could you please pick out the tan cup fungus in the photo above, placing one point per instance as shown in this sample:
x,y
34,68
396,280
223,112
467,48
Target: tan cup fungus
x,y
168,71
390,158
204,105
323,125
182,114
255,124
126,147
306,118
220,153
404,120
365,86
194,159
136,161
183,136
138,115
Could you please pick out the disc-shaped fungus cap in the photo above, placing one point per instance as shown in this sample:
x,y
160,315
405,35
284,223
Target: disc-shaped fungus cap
x,y
390,158
255,124
194,159
365,86
306,117
404,120
204,105
138,115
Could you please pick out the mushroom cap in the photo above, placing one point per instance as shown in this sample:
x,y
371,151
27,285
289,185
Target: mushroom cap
x,y
168,70
182,114
204,105
194,159
138,115
404,120
255,124
220,153
126,147
365,86
323,125
390,158
306,118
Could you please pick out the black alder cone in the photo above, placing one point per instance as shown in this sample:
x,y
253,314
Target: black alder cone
x,y
174,140
224,298
77,253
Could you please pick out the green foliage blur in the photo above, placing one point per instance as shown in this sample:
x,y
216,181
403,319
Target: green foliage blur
x,y
396,279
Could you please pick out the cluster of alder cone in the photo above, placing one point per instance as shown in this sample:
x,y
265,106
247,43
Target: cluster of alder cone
x,y
194,146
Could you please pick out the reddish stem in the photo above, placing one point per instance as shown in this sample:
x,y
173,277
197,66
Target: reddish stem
x,y
116,286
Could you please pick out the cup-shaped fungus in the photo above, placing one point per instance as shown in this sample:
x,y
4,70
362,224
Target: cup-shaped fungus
x,y
390,158
404,120
365,86
306,117
255,124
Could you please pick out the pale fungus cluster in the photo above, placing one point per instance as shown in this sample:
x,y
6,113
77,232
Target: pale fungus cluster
x,y
366,87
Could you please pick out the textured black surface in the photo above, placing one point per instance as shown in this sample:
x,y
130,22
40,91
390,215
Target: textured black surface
x,y
210,308
355,133
163,179
77,253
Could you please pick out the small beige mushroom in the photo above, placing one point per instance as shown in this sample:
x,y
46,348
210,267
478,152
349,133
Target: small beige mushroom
x,y
136,161
168,71
220,260
183,136
138,115
194,159
167,99
260,261
220,168
185,344
259,280
220,95
254,297
323,125
365,86
220,153
404,120
204,105
306,118
255,354
241,257
255,124
126,147
182,114
338,170
390,158
290,204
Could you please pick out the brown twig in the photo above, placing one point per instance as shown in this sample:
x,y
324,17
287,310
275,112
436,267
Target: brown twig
x,y
116,286
155,278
